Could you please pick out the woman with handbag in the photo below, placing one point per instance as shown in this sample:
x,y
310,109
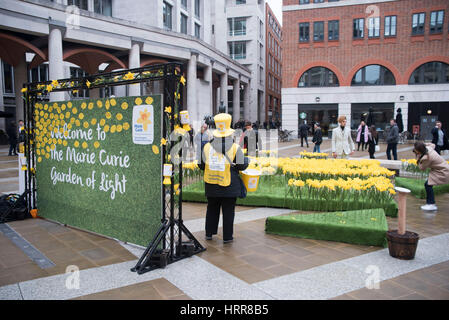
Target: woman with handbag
x,y
373,140
221,160
362,135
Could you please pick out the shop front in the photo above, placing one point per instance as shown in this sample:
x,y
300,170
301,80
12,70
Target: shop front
x,y
325,114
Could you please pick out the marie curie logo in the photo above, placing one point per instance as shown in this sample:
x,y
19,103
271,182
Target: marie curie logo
x,y
143,124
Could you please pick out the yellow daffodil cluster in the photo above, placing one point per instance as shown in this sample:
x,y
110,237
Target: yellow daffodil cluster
x,y
313,155
334,168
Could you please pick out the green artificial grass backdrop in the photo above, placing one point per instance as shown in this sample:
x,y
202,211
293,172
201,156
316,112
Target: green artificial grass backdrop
x,y
273,195
416,186
363,227
97,178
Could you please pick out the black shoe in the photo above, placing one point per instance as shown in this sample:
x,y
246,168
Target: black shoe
x,y
228,241
208,237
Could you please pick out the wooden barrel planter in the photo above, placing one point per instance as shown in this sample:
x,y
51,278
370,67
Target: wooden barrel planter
x,y
402,246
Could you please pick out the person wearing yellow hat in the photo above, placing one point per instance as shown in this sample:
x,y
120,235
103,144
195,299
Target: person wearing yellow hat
x,y
222,159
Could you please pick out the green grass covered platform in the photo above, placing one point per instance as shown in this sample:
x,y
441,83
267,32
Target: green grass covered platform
x,y
416,186
362,227
274,196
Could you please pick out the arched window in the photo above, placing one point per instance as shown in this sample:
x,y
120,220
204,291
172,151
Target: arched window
x,y
430,72
373,75
318,77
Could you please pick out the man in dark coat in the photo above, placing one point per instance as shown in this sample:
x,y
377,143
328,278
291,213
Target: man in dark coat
x,y
12,139
399,122
439,138
392,140
303,133
317,138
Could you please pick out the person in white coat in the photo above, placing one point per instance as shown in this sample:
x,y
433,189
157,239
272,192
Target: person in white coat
x,y
342,144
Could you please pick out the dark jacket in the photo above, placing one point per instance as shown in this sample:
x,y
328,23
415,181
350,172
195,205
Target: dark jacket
x,y
12,134
304,130
240,163
435,138
393,135
317,137
399,122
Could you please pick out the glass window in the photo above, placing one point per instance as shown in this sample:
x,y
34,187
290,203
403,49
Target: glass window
x,y
240,2
197,31
184,4
318,31
318,1
79,73
167,15
333,30
418,20
358,27
183,23
373,27
373,75
436,21
103,7
82,4
304,32
237,26
429,73
304,1
8,78
318,77
390,26
197,8
237,50
38,74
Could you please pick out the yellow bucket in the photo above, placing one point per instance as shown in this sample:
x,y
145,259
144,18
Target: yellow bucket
x,y
250,179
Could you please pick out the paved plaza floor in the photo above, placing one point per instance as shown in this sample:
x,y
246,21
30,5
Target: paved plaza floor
x,y
256,266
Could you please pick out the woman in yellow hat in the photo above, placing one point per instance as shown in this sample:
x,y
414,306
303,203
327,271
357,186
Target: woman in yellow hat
x,y
221,160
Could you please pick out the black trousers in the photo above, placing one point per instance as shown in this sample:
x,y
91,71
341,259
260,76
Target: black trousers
x,y
392,147
302,140
213,216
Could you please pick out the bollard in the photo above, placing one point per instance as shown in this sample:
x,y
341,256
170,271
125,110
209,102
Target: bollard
x,y
402,244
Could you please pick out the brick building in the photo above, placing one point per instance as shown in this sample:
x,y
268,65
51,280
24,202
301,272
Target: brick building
x,y
273,74
345,57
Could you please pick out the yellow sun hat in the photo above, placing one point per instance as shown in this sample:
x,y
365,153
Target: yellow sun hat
x,y
223,125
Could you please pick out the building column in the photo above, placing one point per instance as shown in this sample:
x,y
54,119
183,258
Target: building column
x,y
224,89
344,109
208,76
134,62
20,77
236,101
246,98
192,89
55,62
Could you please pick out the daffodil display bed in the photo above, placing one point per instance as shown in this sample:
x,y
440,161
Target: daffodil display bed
x,y
311,184
363,227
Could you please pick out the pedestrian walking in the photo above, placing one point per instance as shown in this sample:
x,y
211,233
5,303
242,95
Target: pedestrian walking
x,y
12,138
201,138
303,133
342,144
317,138
439,138
373,140
221,160
392,140
250,139
428,158
362,136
